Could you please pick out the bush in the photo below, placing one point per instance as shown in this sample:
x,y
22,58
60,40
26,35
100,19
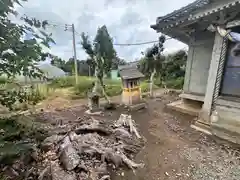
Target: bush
x,y
63,82
39,92
113,89
3,80
84,85
17,136
175,83
145,87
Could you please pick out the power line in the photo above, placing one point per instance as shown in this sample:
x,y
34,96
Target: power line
x,y
68,27
141,43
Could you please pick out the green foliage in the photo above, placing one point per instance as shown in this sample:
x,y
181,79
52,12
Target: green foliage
x,y
14,132
175,65
170,70
101,52
83,87
112,87
175,83
39,92
104,47
63,82
58,62
20,57
118,61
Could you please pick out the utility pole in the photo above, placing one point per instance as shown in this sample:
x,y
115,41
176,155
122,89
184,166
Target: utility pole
x,y
75,54
74,50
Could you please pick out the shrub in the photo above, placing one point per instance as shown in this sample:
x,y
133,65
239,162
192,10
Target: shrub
x,y
18,134
83,86
39,92
175,83
113,89
145,87
63,82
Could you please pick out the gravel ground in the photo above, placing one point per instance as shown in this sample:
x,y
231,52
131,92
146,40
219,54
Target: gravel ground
x,y
173,150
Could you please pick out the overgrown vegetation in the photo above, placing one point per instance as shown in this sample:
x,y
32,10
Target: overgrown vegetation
x,y
18,135
112,87
19,57
170,69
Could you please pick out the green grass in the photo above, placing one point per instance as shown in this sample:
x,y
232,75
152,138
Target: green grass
x,y
85,84
171,83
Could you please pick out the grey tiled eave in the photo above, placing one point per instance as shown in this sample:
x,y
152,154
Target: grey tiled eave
x,y
186,14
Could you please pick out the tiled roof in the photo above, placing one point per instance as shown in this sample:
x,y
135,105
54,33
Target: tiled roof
x,y
183,11
187,13
129,72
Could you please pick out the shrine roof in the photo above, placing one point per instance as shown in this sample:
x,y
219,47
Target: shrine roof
x,y
192,12
129,72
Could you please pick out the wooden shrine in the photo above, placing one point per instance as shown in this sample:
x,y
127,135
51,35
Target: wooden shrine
x,y
131,91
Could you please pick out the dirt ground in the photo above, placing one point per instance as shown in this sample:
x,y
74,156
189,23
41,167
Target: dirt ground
x,y
173,150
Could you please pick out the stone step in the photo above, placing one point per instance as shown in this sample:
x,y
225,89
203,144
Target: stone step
x,y
186,108
228,116
227,132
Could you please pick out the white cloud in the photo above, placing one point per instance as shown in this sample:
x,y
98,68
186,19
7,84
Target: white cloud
x,y
128,21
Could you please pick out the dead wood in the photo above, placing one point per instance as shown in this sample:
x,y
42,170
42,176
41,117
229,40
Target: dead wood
x,y
92,127
122,133
90,146
126,121
50,141
58,173
45,174
68,155
106,177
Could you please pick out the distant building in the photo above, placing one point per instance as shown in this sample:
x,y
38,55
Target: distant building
x,y
115,75
50,71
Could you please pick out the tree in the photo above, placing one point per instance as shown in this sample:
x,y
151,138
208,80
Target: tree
x,y
118,61
104,46
94,53
176,64
19,57
91,66
59,62
153,60
83,68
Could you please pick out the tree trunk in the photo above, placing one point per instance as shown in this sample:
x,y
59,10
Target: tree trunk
x,y
99,83
103,91
151,82
96,83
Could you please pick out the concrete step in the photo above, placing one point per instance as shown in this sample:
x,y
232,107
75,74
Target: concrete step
x,y
227,132
228,116
186,108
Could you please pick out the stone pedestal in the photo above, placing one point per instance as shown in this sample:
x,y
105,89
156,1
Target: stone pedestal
x,y
94,102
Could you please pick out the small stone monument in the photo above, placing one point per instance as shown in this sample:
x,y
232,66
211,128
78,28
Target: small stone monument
x,y
94,101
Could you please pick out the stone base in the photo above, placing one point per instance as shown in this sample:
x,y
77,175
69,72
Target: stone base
x,y
186,106
202,127
226,133
137,107
193,97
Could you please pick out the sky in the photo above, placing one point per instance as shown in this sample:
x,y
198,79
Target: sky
x,y
128,21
